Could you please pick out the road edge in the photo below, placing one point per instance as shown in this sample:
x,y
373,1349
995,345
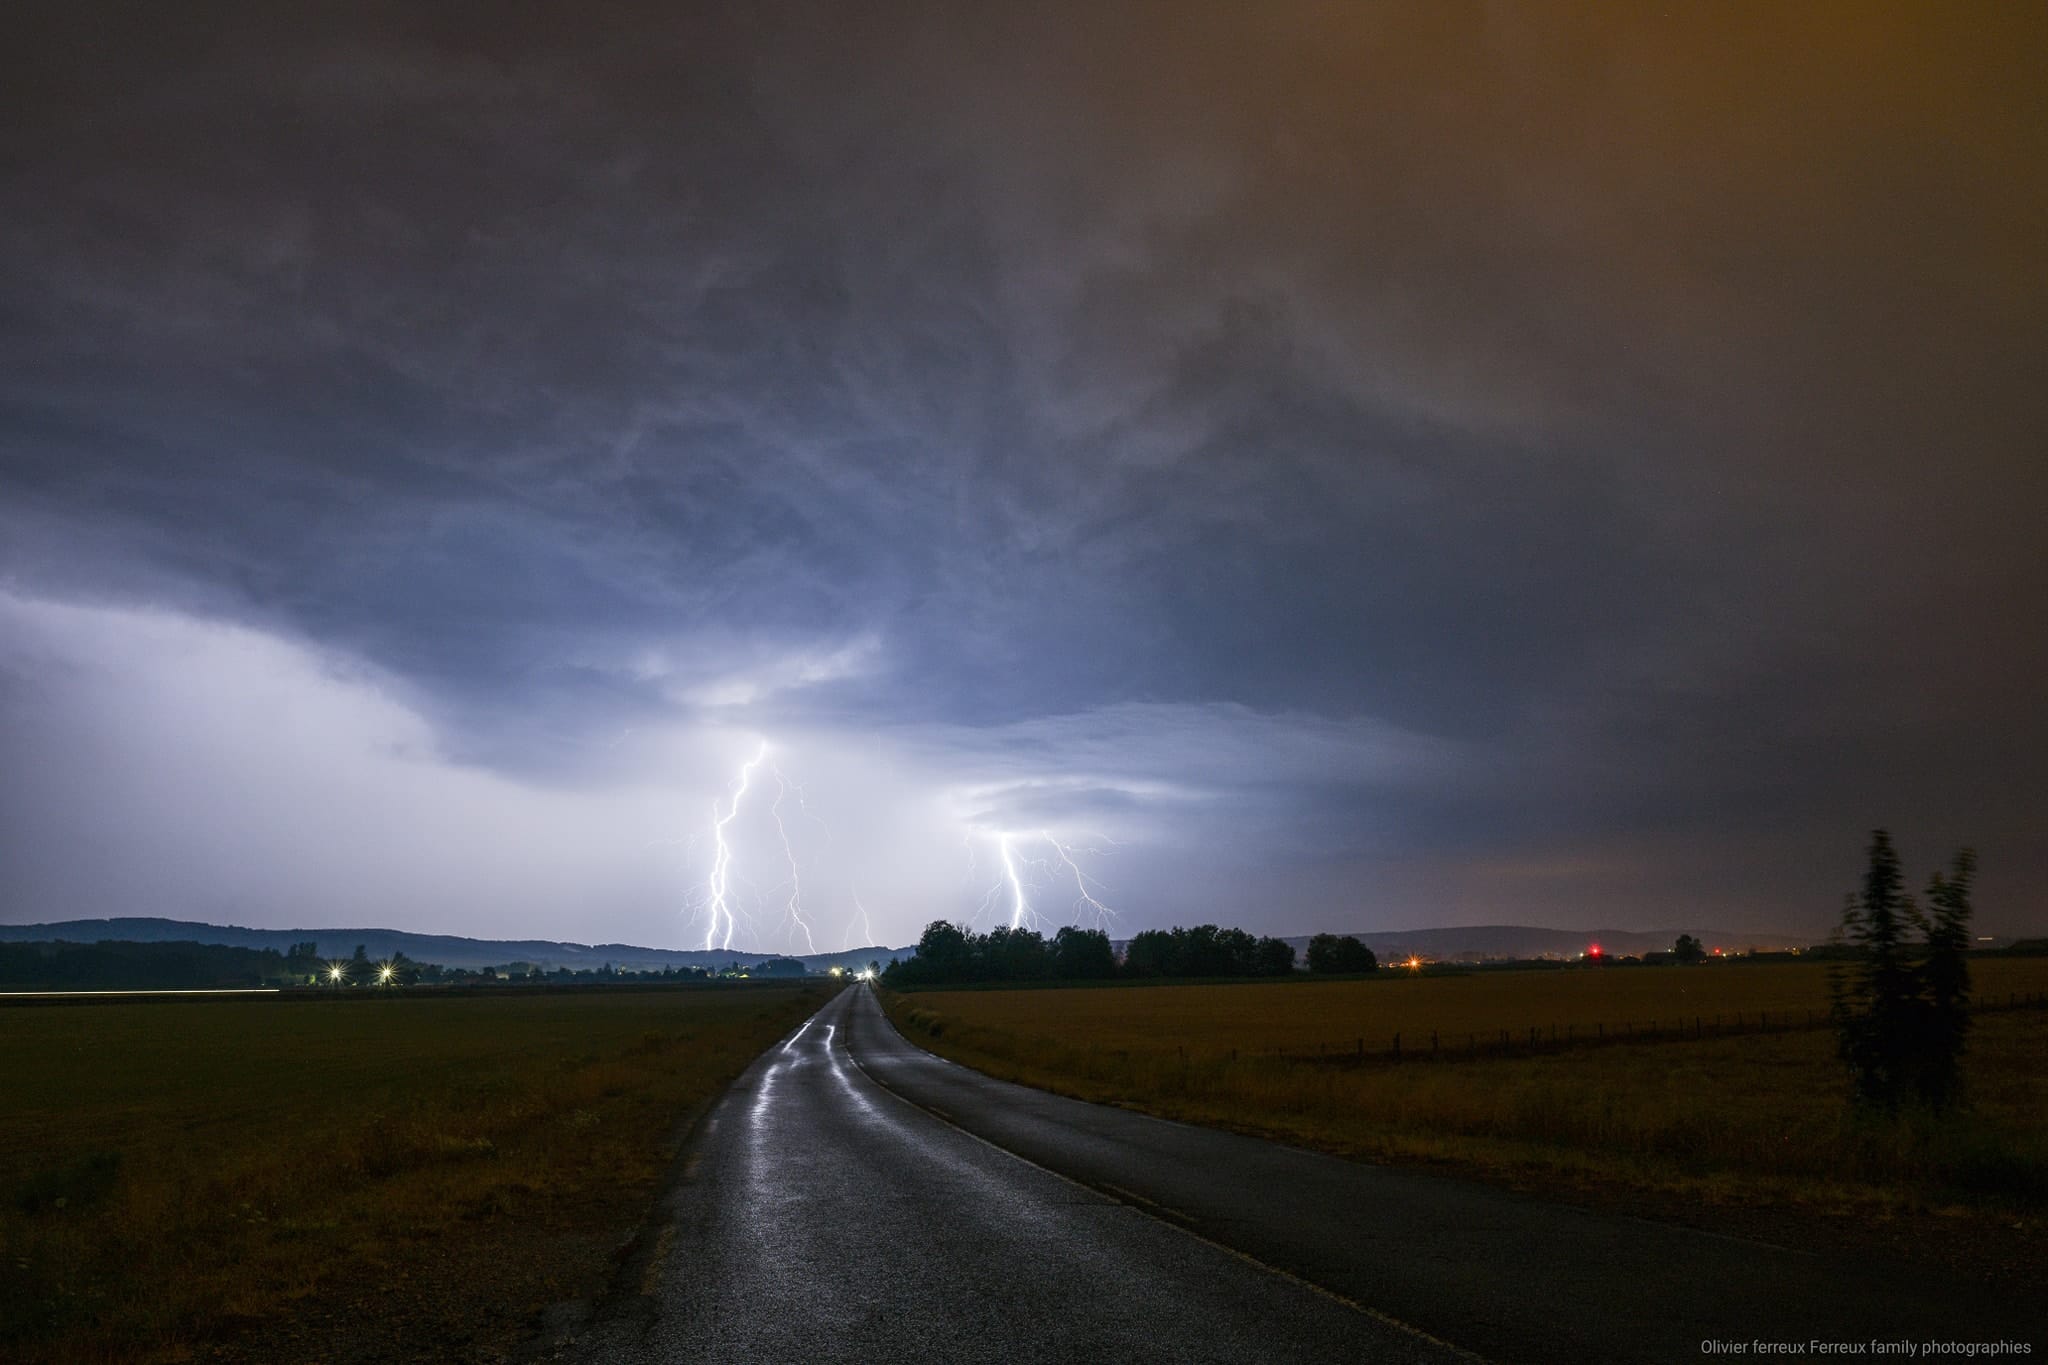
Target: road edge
x,y
623,1296
1158,1213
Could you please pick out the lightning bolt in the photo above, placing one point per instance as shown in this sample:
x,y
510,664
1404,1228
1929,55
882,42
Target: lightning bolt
x,y
1030,865
796,889
866,927
1082,881
720,884
1020,906
1021,876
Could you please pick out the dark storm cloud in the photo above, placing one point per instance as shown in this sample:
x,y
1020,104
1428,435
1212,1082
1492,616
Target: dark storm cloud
x,y
1621,427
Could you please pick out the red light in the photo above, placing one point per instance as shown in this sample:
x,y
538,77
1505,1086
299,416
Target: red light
x,y
1593,951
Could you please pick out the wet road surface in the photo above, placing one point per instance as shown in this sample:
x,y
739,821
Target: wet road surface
x,y
852,1193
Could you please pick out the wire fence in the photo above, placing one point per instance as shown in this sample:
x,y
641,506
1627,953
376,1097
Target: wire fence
x,y
1461,1044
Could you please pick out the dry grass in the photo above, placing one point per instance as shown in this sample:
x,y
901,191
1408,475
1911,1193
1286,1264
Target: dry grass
x,y
1335,1014
238,1175
1760,1117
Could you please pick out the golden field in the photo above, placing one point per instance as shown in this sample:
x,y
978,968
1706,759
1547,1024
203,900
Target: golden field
x,y
1758,1117
411,1176
1337,1013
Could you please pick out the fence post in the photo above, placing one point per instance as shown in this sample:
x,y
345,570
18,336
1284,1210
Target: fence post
x,y
1432,1042
1600,1031
1397,1047
1361,1047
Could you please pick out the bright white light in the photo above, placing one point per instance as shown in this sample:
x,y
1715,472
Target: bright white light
x,y
1033,879
718,934
866,930
1020,908
1103,914
796,909
1022,875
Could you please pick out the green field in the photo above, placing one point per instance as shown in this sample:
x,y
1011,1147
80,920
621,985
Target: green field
x,y
1750,1116
410,1176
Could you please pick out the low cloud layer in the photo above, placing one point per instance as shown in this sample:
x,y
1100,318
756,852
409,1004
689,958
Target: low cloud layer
x,y
1352,469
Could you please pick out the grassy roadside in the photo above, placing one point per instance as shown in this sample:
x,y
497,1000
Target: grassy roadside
x,y
411,1177
1757,1119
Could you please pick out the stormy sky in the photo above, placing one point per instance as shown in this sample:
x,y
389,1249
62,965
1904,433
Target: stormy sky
x,y
1330,466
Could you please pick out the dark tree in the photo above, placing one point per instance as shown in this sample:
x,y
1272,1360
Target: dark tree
x,y
1334,953
1082,955
1009,954
1901,1008
1688,950
1209,951
945,951
304,959
1154,952
1874,1002
1945,978
1273,957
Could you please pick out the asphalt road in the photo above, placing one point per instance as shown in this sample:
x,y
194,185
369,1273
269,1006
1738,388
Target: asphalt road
x,y
854,1194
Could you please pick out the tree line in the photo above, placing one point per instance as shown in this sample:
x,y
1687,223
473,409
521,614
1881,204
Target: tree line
x,y
119,966
949,954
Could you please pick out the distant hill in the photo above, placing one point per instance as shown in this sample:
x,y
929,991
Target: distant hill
x,y
449,950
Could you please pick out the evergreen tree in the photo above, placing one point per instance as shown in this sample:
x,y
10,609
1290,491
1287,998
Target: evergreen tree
x,y
1901,1007
1945,978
